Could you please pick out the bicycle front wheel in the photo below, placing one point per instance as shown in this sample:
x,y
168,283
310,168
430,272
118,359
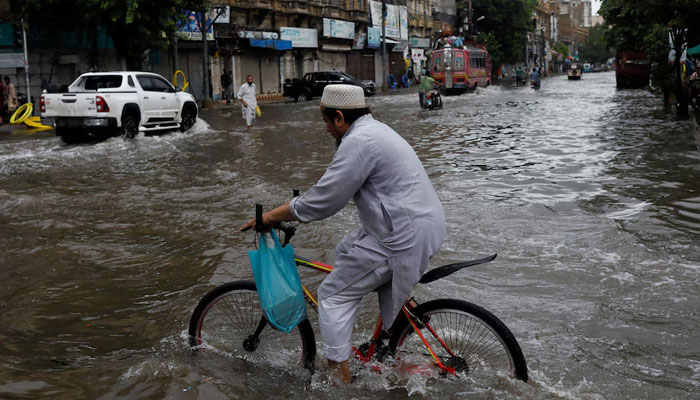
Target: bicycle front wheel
x,y
229,320
463,336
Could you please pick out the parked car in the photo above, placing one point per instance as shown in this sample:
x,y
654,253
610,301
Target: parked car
x,y
312,84
117,103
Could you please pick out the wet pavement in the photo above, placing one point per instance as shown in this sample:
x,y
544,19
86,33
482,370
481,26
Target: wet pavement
x,y
589,195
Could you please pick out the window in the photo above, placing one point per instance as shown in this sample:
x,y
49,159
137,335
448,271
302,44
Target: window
x,y
145,82
160,85
437,62
130,82
459,61
103,82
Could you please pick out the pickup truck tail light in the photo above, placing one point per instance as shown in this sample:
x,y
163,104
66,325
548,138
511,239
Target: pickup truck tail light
x,y
101,104
42,105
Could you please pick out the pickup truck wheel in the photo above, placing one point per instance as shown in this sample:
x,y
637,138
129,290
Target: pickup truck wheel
x,y
69,136
130,126
303,97
189,117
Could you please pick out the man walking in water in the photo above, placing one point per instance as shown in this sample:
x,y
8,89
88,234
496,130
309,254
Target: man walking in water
x,y
402,220
248,101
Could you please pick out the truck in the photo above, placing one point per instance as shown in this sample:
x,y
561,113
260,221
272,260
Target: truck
x,y
312,84
100,104
632,70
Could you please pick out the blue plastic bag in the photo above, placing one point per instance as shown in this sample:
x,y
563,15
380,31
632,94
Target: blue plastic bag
x,y
278,283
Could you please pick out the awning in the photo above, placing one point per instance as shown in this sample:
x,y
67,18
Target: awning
x,y
272,44
694,51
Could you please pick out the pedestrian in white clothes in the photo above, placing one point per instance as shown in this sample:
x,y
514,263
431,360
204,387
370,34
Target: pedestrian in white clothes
x,y
248,101
402,221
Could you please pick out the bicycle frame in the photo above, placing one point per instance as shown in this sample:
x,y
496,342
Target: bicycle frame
x,y
375,340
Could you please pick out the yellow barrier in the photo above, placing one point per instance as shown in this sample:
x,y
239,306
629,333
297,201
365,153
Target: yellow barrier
x,y
184,80
28,107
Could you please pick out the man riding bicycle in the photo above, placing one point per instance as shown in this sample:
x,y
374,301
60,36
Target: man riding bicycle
x,y
402,220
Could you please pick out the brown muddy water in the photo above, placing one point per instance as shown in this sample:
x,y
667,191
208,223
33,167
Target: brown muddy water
x,y
589,195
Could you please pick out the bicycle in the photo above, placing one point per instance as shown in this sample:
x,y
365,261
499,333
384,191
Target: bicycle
x,y
454,336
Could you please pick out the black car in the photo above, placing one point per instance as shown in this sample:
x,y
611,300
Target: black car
x,y
312,84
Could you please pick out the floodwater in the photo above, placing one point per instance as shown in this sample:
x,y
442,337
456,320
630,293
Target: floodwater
x,y
589,195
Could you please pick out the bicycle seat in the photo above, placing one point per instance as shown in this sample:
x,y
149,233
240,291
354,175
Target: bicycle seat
x,y
449,269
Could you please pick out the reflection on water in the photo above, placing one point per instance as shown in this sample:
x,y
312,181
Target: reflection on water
x,y
588,194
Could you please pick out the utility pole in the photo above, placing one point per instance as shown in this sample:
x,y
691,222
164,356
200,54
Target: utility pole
x,y
384,58
206,101
26,62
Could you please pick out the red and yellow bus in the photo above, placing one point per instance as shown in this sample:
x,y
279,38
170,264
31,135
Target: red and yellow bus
x,y
459,69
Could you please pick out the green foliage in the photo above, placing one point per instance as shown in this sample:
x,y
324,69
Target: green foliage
x,y
595,49
504,27
657,49
645,25
134,25
562,49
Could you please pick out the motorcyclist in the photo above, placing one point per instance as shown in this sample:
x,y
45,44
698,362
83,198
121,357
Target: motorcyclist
x,y
535,78
426,83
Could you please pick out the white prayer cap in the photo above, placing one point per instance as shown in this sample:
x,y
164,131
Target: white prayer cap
x,y
344,97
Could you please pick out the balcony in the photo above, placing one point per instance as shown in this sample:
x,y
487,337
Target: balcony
x,y
295,7
260,4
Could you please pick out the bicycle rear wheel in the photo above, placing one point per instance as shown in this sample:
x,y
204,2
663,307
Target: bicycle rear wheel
x,y
229,321
479,344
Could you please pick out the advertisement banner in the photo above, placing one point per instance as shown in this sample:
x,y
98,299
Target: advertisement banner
x,y
338,29
374,37
403,22
396,18
300,37
359,42
189,29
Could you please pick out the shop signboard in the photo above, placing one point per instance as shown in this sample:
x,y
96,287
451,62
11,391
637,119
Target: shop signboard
x,y
300,37
421,43
223,12
260,35
338,29
374,37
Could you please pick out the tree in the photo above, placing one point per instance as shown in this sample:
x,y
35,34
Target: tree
x,y
504,27
133,25
562,49
642,25
595,49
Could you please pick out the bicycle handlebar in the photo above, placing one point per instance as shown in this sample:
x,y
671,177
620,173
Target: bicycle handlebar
x,y
288,229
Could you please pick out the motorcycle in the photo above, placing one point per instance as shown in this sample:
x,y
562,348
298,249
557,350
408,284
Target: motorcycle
x,y
433,100
519,81
535,85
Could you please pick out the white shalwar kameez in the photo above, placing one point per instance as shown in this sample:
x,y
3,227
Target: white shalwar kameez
x,y
403,226
247,93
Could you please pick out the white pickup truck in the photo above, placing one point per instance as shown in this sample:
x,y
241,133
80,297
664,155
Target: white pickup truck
x,y
117,103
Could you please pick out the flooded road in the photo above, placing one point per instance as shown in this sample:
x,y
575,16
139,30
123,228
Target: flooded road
x,y
589,195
